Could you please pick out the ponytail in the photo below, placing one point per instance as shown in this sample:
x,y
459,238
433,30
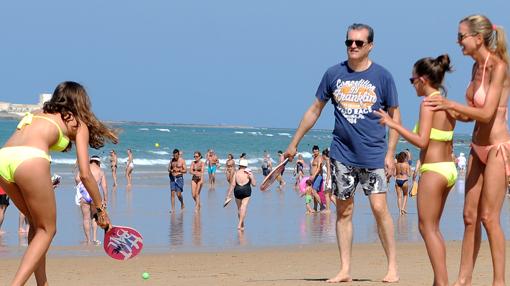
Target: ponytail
x,y
494,37
443,61
500,47
434,69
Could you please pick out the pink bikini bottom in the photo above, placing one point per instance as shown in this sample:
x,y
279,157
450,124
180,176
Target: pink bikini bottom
x,y
482,152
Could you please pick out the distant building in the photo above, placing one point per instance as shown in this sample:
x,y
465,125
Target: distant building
x,y
20,109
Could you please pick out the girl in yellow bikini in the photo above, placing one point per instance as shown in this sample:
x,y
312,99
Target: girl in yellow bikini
x,y
25,168
433,135
488,163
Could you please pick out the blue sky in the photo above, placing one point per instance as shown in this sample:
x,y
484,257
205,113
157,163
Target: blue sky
x,y
254,63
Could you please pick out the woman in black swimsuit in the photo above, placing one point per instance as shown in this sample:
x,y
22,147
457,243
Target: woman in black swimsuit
x,y
241,185
197,174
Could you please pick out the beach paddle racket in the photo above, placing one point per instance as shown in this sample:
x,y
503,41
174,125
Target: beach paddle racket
x,y
122,242
271,177
414,189
228,199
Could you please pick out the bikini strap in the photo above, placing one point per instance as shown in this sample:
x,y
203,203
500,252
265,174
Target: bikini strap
x,y
52,121
434,93
29,117
484,66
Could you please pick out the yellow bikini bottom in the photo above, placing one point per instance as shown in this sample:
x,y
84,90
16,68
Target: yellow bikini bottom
x,y
12,157
446,169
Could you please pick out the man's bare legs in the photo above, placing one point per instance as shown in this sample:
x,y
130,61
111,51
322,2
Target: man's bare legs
x,y
172,200
386,232
344,211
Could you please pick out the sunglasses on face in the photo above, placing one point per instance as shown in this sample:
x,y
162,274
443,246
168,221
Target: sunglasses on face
x,y
359,43
413,79
461,36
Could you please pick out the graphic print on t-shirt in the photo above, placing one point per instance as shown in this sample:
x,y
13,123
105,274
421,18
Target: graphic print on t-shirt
x,y
354,98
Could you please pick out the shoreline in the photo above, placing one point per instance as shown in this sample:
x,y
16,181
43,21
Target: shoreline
x,y
286,265
8,116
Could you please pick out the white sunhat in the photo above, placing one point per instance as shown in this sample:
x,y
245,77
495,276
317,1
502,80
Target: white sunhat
x,y
243,163
95,158
461,154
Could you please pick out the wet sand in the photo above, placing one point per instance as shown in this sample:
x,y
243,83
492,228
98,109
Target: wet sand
x,y
281,245
306,265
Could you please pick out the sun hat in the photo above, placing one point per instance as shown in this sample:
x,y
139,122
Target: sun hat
x,y
95,158
243,163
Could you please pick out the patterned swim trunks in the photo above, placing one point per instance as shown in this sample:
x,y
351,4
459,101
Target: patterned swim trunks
x,y
346,179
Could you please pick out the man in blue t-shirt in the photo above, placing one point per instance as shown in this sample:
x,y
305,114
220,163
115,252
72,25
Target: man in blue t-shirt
x,y
359,154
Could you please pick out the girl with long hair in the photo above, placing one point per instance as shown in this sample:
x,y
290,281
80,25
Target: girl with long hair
x,y
25,168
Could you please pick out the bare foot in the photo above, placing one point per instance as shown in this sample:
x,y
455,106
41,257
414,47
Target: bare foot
x,y
391,277
462,283
2,232
326,211
340,277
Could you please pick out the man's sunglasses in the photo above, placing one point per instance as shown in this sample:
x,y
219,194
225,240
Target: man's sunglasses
x,y
359,43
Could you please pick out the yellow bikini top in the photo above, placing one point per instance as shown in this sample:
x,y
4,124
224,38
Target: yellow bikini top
x,y
436,134
63,141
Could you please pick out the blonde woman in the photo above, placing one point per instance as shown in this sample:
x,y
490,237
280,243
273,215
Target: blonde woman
x,y
488,163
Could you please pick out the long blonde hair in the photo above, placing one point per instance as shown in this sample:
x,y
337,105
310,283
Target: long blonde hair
x,y
494,37
71,100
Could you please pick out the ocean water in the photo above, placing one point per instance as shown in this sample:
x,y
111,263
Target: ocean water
x,y
142,140
275,218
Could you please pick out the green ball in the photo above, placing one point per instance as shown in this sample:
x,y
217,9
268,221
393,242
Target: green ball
x,y
145,275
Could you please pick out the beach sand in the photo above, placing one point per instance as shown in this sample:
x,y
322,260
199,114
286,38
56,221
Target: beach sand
x,y
306,265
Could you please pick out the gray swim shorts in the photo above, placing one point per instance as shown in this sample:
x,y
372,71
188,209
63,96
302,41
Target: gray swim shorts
x,y
346,179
